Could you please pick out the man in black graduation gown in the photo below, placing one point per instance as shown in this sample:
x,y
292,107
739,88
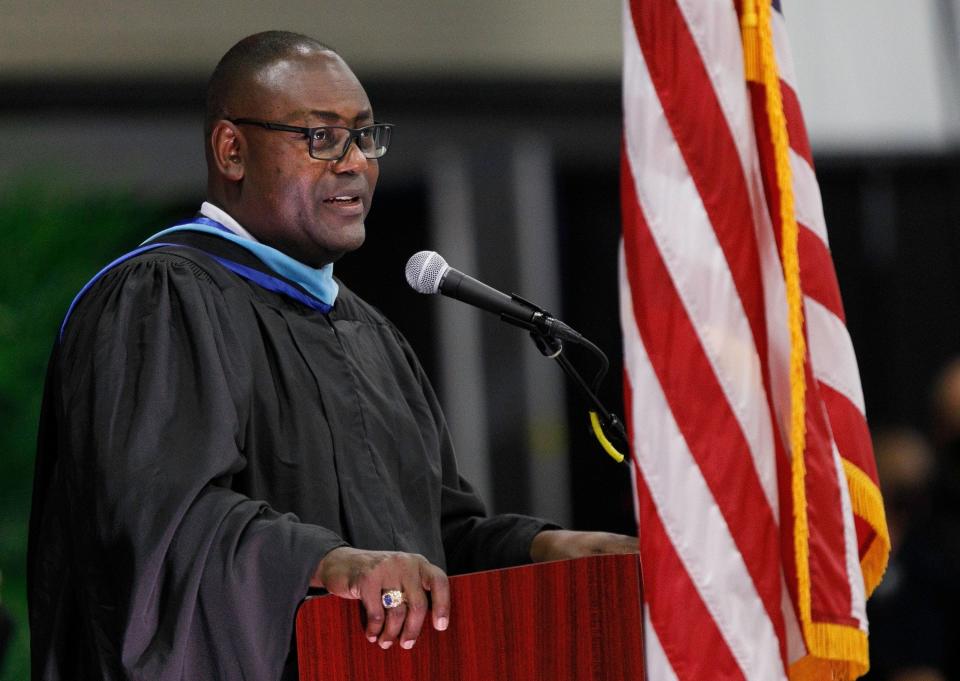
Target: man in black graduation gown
x,y
226,425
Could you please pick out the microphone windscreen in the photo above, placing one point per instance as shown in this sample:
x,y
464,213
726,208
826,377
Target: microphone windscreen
x,y
425,270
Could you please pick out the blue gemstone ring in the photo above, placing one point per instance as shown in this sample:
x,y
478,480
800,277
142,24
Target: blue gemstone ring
x,y
391,598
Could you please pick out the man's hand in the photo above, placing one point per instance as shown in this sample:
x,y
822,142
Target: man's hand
x,y
565,544
365,575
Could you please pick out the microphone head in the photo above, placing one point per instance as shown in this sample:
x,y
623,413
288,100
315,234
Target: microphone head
x,y
425,271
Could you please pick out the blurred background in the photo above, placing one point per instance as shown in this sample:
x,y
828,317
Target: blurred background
x,y
505,160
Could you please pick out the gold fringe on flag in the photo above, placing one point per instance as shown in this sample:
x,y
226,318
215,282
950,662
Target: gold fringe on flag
x,y
868,504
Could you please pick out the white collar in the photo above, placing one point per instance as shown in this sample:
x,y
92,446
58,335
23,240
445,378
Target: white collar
x,y
217,214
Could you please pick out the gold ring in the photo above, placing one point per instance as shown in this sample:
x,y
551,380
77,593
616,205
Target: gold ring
x,y
391,598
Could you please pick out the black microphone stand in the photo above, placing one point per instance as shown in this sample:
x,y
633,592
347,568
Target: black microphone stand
x,y
548,337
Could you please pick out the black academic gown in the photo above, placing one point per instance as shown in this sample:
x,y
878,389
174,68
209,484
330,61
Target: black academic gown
x,y
203,443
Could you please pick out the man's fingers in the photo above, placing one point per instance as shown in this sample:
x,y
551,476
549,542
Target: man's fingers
x,y
624,544
367,575
564,544
416,602
392,625
608,542
435,581
372,605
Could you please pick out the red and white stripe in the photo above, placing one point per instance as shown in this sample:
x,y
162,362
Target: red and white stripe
x,y
706,349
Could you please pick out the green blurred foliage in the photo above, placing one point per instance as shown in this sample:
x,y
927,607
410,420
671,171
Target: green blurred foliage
x,y
51,242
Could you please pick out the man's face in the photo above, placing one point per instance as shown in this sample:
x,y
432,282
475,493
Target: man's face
x,y
311,210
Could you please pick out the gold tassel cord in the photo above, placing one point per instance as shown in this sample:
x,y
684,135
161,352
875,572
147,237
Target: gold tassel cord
x,y
751,41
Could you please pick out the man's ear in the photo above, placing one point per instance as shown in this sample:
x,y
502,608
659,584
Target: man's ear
x,y
227,144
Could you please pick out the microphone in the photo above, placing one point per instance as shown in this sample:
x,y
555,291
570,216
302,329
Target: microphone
x,y
427,272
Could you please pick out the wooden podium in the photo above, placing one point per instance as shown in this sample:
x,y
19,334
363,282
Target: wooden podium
x,y
567,620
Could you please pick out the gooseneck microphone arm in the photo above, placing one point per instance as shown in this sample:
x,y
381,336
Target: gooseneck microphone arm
x,y
427,272
553,349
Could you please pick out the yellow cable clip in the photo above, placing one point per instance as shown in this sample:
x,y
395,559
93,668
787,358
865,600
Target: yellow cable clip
x,y
602,438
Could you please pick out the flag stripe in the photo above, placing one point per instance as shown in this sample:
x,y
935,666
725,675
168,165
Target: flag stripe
x,y
817,274
677,606
699,126
831,349
849,429
826,564
799,142
858,597
784,57
689,246
806,193
714,29
700,407
692,531
658,666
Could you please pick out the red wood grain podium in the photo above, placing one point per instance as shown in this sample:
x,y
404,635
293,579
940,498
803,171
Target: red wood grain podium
x,y
575,619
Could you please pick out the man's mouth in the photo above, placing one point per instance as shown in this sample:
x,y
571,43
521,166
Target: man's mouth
x,y
343,200
346,205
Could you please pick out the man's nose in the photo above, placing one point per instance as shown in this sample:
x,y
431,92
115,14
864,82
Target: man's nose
x,y
353,161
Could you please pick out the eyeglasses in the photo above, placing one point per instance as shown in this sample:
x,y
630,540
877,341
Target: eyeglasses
x,y
331,142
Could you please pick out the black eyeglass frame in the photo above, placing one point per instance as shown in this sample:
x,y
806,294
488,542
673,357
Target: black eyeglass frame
x,y
355,134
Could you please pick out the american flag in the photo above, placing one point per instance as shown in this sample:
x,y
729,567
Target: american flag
x,y
761,525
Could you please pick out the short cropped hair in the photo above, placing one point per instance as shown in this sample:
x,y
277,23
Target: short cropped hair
x,y
242,62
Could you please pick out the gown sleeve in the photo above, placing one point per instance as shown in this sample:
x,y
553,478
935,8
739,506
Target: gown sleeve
x,y
183,577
